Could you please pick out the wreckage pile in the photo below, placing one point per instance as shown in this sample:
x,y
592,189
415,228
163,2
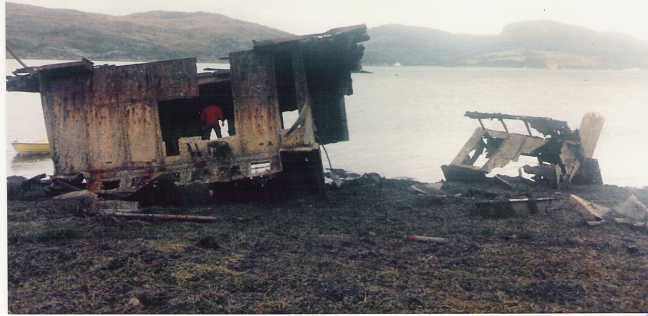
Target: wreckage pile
x,y
564,156
513,196
162,137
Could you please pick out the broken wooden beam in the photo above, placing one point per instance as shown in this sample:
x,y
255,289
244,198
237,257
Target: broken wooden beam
x,y
117,206
417,190
162,217
595,223
428,239
590,211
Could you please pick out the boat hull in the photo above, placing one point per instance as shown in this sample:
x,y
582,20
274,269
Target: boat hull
x,y
31,148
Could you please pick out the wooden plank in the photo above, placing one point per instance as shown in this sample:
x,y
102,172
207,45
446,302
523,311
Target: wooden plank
x,y
162,217
591,211
440,240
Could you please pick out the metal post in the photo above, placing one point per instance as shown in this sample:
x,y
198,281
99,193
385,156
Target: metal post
x,y
16,57
527,127
482,124
504,124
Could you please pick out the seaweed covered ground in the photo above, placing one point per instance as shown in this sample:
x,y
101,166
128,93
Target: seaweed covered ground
x,y
348,253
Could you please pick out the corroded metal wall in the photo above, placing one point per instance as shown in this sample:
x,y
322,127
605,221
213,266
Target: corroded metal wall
x,y
65,101
105,121
256,105
107,118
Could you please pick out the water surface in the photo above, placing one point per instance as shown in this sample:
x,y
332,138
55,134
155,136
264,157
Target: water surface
x,y
407,121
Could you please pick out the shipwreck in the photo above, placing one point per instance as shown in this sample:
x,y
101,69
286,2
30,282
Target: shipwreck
x,y
564,155
116,129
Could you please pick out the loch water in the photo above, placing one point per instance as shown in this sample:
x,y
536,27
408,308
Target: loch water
x,y
408,121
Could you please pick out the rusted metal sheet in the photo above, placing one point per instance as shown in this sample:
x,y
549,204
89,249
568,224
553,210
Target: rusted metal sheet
x,y
255,99
65,103
107,118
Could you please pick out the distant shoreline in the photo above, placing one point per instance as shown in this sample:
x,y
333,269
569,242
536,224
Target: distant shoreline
x,y
219,61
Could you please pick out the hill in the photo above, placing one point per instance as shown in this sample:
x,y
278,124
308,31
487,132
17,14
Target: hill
x,y
524,44
36,32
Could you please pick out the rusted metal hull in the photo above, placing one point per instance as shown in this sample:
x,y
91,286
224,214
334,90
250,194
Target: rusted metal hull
x,y
123,127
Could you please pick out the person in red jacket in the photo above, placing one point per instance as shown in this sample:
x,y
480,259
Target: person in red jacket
x,y
210,117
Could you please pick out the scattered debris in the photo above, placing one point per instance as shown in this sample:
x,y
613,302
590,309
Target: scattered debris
x,y
21,188
428,239
628,221
503,207
564,156
338,178
60,185
633,209
80,203
84,194
590,211
134,301
595,223
433,189
417,190
117,206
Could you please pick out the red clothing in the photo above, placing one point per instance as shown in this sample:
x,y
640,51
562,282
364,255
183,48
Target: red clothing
x,y
211,114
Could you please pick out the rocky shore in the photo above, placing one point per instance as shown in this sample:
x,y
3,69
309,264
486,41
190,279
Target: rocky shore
x,y
372,245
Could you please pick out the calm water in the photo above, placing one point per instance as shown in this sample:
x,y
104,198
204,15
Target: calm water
x,y
407,121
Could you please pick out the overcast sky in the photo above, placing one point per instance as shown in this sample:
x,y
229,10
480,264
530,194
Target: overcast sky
x,y
460,16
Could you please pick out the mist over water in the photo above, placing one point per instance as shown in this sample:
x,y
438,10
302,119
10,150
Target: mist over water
x,y
408,121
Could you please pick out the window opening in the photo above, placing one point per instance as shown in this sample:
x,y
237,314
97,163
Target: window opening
x,y
286,89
